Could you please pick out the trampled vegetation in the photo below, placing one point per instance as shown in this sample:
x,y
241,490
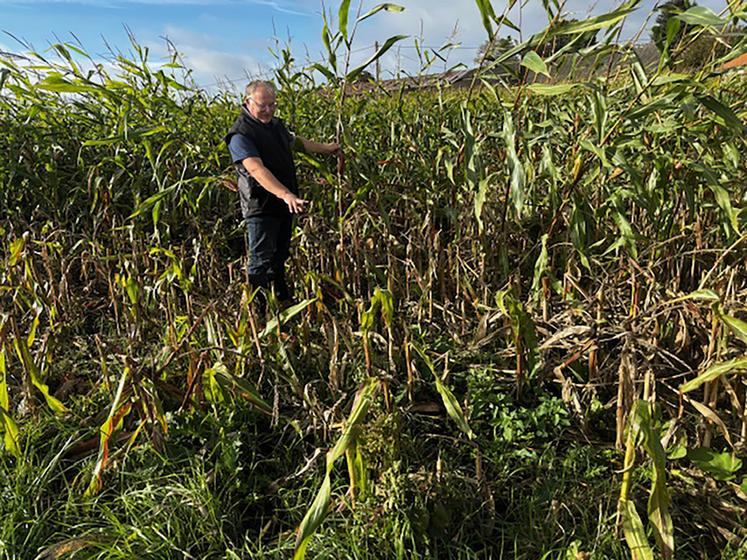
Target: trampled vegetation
x,y
520,331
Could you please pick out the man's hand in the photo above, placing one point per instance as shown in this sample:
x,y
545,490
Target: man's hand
x,y
295,205
333,148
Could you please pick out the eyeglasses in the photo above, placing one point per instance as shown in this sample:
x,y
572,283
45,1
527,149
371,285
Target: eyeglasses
x,y
266,107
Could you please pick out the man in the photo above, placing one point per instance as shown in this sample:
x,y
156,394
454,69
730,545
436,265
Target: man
x,y
261,150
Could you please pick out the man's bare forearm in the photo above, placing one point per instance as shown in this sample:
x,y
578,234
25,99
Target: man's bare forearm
x,y
271,184
318,147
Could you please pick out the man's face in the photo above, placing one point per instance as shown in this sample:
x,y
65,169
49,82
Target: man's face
x,y
261,104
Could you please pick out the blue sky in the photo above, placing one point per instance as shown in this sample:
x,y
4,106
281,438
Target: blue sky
x,y
228,40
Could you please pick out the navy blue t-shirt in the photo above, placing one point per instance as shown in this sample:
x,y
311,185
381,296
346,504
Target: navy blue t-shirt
x,y
242,147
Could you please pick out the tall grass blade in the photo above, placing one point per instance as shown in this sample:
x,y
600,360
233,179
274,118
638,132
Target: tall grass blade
x,y
113,422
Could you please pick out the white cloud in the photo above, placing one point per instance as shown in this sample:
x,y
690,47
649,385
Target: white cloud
x,y
211,67
433,22
283,6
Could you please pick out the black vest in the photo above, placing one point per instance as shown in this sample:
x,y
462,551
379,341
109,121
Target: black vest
x,y
273,141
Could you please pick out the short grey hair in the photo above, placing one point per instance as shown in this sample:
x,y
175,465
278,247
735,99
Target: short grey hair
x,y
257,84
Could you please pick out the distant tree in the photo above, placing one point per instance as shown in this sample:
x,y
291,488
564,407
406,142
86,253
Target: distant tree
x,y
493,50
666,12
557,42
365,76
709,46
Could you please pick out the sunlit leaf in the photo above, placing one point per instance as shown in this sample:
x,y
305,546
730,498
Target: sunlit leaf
x,y
700,15
451,404
635,535
285,316
388,6
721,466
736,326
534,62
715,371
16,250
551,90
118,410
658,501
342,18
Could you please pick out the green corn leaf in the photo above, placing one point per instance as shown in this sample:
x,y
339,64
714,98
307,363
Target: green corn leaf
x,y
285,316
534,62
31,338
713,372
522,327
32,370
724,202
386,303
327,40
737,326
540,267
4,397
453,408
451,404
154,199
353,74
342,18
56,83
480,196
635,535
729,117
9,427
697,295
658,501
319,507
700,15
388,6
595,23
487,14
242,387
16,250
721,466
10,433
133,290
551,90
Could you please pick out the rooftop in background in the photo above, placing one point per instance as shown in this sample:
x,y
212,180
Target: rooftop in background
x,y
738,62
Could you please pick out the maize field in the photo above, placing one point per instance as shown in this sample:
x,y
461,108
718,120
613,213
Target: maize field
x,y
520,328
